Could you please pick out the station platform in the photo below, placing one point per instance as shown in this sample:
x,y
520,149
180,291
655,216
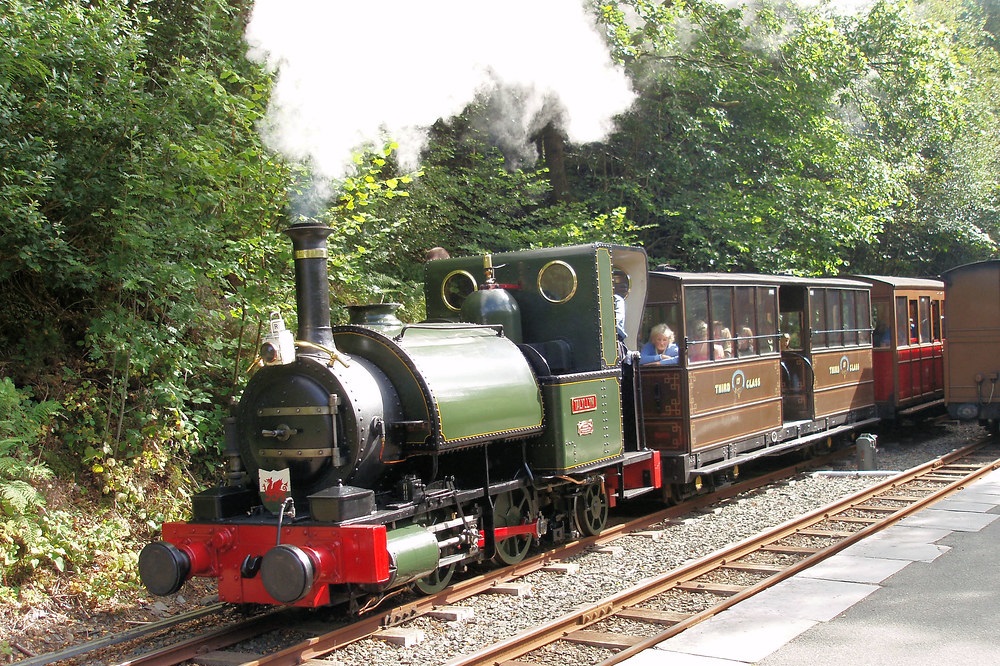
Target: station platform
x,y
924,591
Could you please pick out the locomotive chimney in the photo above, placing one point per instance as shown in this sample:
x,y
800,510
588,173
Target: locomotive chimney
x,y
312,286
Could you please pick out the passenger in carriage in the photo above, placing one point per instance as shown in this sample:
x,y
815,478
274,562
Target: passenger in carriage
x,y
723,337
746,346
699,349
660,350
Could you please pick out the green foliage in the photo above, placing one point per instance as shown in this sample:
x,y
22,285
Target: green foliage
x,y
784,139
370,245
133,151
24,423
573,224
466,198
142,249
138,253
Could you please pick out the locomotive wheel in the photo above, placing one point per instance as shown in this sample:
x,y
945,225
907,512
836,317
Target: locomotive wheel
x,y
436,581
592,509
513,508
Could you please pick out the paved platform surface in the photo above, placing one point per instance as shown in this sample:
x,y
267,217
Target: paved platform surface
x,y
925,591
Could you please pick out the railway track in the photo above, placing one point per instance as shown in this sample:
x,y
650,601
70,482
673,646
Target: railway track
x,y
627,623
223,635
706,577
134,634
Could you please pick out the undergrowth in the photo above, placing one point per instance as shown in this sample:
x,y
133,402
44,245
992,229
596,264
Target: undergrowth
x,y
64,534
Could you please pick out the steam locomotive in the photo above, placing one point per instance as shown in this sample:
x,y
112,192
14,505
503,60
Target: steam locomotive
x,y
375,455
367,457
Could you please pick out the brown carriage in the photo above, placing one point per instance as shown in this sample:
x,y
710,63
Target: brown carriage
x,y
972,344
787,363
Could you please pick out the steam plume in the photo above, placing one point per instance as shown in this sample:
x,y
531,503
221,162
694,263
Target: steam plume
x,y
350,74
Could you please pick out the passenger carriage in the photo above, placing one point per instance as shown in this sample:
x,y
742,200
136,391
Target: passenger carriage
x,y
788,363
972,342
908,344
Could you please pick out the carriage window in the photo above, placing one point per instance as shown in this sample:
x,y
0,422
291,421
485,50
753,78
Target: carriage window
x,y
883,324
722,322
834,314
864,320
914,317
936,316
746,342
902,323
767,320
661,313
695,305
850,318
792,301
925,319
697,328
819,327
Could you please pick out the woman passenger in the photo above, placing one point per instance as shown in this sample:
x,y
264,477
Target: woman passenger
x,y
660,350
699,349
724,339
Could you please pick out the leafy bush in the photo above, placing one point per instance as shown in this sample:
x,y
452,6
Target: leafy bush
x,y
21,502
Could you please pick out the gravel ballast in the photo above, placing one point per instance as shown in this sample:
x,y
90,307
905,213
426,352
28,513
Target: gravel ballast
x,y
698,534
598,575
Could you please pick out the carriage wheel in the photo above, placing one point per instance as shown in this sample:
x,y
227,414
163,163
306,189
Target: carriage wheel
x,y
516,507
592,509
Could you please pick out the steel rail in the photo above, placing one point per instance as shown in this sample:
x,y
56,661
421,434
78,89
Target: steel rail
x,y
371,624
224,637
122,637
532,639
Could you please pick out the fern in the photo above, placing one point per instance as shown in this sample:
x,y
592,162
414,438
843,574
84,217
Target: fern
x,y
18,498
13,468
24,423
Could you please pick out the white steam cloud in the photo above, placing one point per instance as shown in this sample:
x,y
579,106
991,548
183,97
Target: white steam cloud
x,y
351,74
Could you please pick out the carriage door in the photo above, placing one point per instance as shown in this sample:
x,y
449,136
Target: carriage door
x,y
796,369
914,342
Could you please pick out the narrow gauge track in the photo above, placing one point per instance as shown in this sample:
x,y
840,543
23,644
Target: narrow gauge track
x,y
134,634
223,637
622,623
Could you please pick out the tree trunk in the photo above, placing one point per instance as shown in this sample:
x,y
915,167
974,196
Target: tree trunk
x,y
552,146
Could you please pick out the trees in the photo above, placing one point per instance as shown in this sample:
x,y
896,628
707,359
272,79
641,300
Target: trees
x,y
926,117
141,215
787,139
122,165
